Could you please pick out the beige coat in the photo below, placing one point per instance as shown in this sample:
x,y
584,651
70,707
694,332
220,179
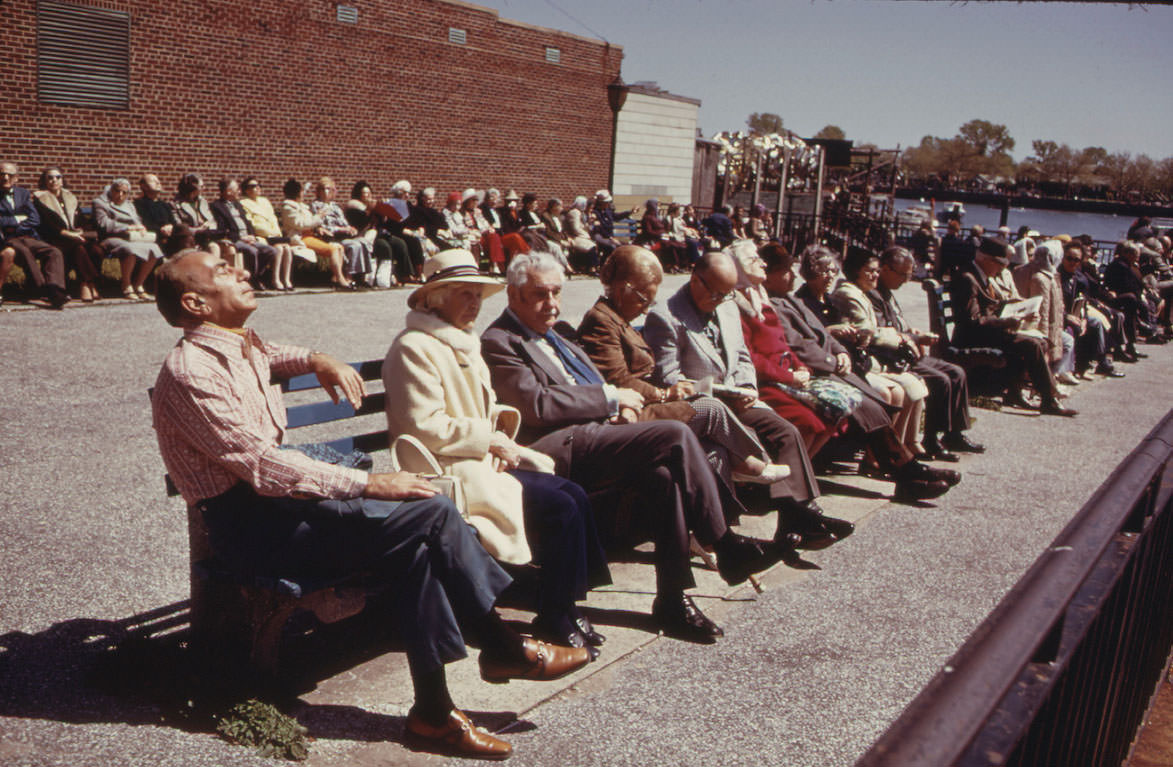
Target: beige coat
x,y
438,391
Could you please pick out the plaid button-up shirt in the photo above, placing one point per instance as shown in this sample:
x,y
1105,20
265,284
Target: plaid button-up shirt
x,y
219,421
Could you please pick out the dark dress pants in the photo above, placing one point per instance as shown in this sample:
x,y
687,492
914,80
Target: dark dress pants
x,y
85,256
437,571
1030,354
258,257
560,528
661,466
947,408
41,262
784,445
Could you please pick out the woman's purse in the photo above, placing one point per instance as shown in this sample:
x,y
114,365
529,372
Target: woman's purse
x,y
830,400
409,454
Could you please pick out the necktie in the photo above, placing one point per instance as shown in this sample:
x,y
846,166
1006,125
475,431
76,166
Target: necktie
x,y
579,370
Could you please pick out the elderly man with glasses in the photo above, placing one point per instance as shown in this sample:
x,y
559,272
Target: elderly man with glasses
x,y
43,264
695,335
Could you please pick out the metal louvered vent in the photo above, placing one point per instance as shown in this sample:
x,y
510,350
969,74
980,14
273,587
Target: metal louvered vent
x,y
553,55
348,14
458,36
83,55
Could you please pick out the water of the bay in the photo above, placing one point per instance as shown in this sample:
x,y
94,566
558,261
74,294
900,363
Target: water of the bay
x,y
1101,226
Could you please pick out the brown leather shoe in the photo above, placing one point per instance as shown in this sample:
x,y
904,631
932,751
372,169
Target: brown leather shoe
x,y
457,737
543,661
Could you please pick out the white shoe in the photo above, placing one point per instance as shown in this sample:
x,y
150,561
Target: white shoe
x,y
771,474
1067,378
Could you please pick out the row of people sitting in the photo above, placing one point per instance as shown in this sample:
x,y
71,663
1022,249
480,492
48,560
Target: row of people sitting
x,y
534,417
365,242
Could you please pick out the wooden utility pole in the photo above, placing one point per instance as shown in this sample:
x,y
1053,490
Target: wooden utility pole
x,y
783,180
819,193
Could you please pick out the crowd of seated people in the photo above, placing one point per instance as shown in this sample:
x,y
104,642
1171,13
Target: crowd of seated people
x,y
670,415
363,242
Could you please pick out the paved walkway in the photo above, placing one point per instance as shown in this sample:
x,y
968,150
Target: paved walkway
x,y
809,673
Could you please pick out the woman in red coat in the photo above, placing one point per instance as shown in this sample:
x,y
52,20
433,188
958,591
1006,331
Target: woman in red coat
x,y
782,377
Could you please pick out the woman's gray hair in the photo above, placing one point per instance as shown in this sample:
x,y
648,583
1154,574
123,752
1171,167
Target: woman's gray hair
x,y
120,182
812,257
401,186
517,276
580,202
436,297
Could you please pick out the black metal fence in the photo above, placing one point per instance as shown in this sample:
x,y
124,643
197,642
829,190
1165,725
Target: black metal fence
x,y
1063,670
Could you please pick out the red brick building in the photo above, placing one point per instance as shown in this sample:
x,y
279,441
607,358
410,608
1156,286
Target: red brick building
x,y
440,92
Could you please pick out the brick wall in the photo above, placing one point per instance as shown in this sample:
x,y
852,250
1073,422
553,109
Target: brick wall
x,y
280,88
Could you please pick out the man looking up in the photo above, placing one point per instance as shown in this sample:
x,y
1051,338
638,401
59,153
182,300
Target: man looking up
x,y
281,513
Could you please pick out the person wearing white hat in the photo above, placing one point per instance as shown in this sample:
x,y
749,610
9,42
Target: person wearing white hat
x,y
439,391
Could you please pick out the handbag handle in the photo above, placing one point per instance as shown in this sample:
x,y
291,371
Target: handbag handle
x,y
409,454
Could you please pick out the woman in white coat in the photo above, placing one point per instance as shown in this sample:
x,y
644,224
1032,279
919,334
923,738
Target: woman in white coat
x,y
438,391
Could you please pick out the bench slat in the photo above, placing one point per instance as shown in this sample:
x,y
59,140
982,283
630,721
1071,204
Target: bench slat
x,y
326,411
368,443
370,370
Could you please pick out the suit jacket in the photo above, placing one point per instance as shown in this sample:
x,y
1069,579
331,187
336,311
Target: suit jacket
x,y
225,222
1122,279
816,348
56,215
807,336
624,358
856,308
524,377
21,204
675,332
975,310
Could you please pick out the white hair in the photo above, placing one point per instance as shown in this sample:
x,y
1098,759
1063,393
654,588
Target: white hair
x,y
524,264
401,186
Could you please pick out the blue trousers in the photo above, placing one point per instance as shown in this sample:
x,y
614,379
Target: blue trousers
x,y
560,528
436,570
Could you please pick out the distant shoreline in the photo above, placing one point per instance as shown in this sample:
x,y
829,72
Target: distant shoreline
x,y
995,200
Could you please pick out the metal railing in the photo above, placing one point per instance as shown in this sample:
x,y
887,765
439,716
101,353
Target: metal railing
x,y
1063,670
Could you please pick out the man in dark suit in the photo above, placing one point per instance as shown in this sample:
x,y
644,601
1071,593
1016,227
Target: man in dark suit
x,y
947,410
696,334
43,264
977,313
259,256
590,430
819,351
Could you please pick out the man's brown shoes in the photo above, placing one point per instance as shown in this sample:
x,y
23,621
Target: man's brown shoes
x,y
456,737
542,662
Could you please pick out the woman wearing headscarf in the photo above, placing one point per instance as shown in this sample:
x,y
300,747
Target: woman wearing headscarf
x,y
439,391
582,247
1040,277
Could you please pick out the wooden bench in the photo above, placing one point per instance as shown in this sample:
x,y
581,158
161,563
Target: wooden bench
x,y
942,323
229,608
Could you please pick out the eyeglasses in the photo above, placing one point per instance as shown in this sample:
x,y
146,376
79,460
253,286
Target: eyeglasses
x,y
826,269
714,296
53,175
642,298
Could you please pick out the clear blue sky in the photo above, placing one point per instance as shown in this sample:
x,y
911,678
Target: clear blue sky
x,y
892,72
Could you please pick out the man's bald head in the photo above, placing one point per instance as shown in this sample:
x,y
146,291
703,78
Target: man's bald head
x,y
631,262
714,277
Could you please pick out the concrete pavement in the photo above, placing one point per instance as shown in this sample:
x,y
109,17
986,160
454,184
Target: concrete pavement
x,y
809,673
